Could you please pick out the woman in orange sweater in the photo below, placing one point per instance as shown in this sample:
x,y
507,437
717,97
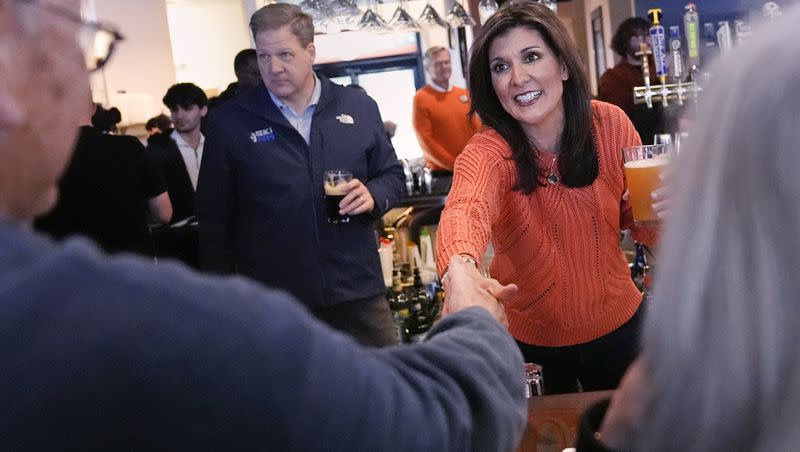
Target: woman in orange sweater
x,y
544,183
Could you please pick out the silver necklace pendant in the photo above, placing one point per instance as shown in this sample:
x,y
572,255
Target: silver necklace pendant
x,y
552,179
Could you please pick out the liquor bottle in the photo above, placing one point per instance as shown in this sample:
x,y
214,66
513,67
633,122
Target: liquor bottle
x,y
399,305
386,257
639,266
390,296
428,268
407,271
416,326
422,295
438,302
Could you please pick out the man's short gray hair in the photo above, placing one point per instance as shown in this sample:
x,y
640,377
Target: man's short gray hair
x,y
431,53
278,15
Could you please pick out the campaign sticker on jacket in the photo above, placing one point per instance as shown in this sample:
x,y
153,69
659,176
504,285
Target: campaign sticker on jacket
x,y
262,136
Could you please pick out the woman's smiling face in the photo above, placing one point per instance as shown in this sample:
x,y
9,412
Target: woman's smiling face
x,y
528,79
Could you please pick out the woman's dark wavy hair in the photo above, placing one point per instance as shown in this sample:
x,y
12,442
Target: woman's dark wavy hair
x,y
578,162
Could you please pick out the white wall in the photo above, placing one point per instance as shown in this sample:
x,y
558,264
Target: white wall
x,y
620,10
608,32
142,67
206,35
565,13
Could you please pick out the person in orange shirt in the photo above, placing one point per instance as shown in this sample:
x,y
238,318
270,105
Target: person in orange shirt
x,y
441,114
544,184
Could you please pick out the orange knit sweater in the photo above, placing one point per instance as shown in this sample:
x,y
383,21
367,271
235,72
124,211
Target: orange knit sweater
x,y
560,245
442,125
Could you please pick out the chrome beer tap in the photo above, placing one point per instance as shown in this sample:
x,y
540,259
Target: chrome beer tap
x,y
679,90
663,92
644,93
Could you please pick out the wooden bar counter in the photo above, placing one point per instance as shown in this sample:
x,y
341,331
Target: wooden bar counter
x,y
553,420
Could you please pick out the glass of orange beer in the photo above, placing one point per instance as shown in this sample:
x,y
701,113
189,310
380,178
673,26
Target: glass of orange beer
x,y
643,166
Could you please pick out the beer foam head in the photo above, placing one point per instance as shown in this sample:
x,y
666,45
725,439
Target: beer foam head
x,y
334,190
647,163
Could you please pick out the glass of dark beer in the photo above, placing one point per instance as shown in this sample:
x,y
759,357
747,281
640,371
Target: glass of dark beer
x,y
334,183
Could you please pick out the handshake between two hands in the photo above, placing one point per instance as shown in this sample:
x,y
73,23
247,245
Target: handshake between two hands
x,y
465,287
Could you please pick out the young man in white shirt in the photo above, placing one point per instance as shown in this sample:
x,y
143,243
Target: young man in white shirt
x,y
179,152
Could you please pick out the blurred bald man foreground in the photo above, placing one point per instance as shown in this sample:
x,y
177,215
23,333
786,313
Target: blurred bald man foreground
x,y
112,353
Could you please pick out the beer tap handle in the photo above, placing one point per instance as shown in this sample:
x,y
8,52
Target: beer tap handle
x,y
643,53
659,46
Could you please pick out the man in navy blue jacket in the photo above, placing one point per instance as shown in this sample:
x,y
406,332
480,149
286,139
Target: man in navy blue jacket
x,y
260,196
114,353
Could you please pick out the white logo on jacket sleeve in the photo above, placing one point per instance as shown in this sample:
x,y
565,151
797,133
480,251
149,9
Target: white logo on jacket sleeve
x,y
463,98
345,119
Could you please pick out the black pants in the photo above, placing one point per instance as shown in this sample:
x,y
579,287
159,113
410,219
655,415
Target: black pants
x,y
368,320
595,365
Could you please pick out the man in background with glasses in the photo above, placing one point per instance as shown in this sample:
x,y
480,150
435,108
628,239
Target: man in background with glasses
x,y
115,353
